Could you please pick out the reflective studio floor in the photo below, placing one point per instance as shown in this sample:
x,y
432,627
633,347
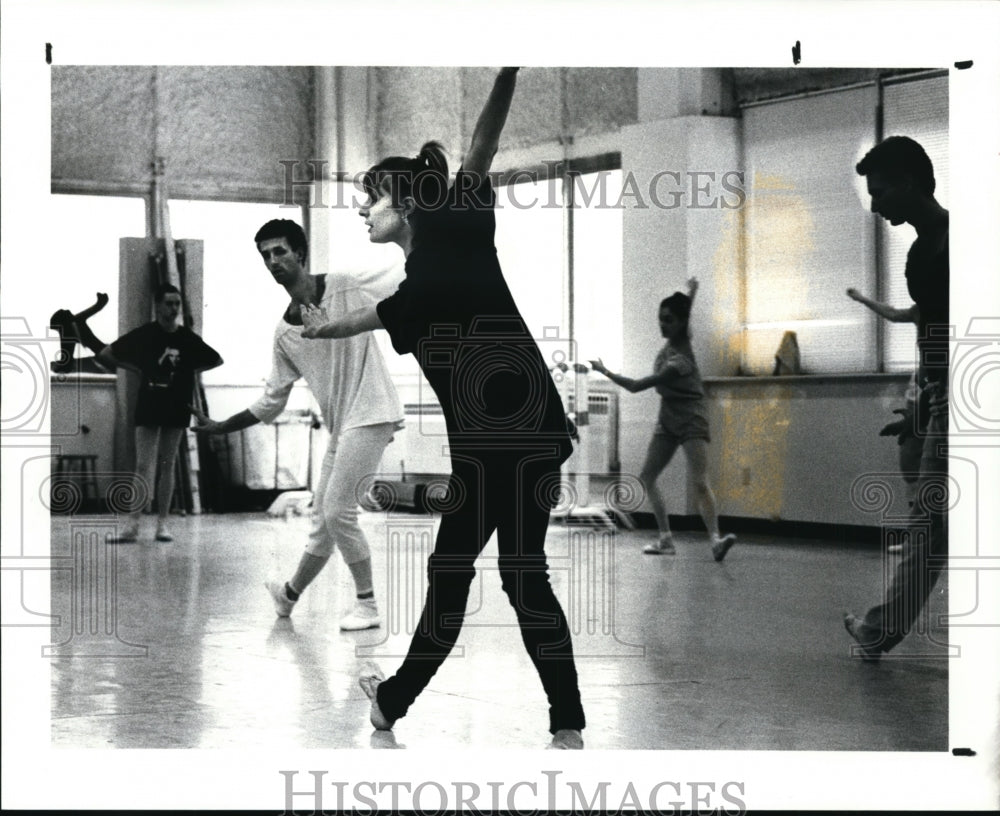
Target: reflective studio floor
x,y
177,645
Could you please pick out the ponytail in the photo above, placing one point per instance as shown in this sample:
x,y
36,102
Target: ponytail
x,y
432,157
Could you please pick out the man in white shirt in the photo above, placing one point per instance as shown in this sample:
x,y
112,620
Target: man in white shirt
x,y
357,399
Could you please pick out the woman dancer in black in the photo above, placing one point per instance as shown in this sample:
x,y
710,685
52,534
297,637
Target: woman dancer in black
x,y
507,430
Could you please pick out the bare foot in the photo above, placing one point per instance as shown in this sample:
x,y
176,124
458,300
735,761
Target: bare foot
x,y
369,679
90,311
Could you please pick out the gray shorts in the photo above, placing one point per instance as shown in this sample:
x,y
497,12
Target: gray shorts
x,y
694,426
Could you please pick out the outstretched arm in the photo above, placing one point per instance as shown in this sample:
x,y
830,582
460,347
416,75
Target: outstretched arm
x,y
237,422
890,313
631,385
486,136
360,320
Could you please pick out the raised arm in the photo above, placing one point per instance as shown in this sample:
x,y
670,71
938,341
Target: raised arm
x,y
890,313
486,136
692,289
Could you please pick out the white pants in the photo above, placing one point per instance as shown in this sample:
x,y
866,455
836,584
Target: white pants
x,y
349,466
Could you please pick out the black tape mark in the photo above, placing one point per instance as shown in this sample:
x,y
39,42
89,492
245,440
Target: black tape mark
x,y
797,53
48,53
963,752
963,65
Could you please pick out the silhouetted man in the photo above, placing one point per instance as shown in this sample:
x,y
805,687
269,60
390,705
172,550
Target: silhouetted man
x,y
901,183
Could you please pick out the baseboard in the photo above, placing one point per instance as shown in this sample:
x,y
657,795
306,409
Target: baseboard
x,y
846,534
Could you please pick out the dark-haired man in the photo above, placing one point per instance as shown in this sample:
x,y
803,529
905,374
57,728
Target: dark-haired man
x,y
357,400
900,178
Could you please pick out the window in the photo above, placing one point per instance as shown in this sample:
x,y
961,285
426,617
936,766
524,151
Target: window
x,y
531,246
559,240
597,236
240,302
918,109
808,237
84,260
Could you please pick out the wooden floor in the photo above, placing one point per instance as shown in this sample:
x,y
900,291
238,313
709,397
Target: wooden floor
x,y
177,645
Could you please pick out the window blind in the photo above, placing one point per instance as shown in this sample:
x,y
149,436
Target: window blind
x,y
809,235
918,109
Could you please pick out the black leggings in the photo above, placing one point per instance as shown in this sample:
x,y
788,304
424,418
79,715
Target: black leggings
x,y
512,494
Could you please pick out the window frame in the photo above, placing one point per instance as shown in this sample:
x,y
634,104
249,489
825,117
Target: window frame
x,y
566,171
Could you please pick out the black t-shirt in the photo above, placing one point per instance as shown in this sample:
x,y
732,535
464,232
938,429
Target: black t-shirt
x,y
455,314
168,362
927,280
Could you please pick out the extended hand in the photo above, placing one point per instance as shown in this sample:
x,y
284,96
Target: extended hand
x,y
204,424
902,428
692,285
893,428
598,365
313,320
854,294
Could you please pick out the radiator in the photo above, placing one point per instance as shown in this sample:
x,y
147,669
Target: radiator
x,y
600,437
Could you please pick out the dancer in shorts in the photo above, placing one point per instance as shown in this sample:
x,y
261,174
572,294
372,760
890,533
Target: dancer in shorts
x,y
682,422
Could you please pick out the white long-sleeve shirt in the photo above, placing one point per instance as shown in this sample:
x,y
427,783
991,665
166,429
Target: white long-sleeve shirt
x,y
348,377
